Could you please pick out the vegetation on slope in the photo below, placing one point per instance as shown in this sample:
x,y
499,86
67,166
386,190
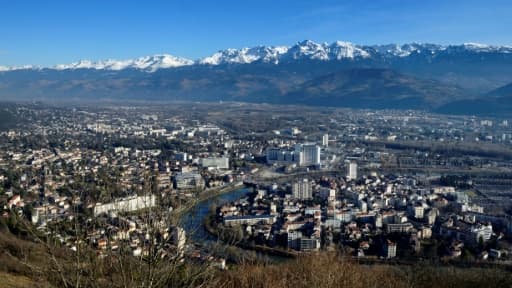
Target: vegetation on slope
x,y
328,270
25,263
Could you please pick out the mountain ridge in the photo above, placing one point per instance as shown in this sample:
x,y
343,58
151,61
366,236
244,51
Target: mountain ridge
x,y
409,76
497,102
374,88
303,50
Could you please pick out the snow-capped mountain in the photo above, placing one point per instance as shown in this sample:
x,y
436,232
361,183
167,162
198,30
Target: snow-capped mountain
x,y
267,54
307,50
478,48
148,63
339,50
304,50
336,51
395,50
408,76
13,68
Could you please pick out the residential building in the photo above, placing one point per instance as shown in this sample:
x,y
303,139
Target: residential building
x,y
309,154
188,181
325,140
390,249
215,162
302,189
352,171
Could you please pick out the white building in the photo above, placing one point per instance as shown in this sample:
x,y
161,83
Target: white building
x,y
249,219
278,155
482,232
472,208
325,140
309,154
127,204
215,162
302,189
417,211
352,171
188,181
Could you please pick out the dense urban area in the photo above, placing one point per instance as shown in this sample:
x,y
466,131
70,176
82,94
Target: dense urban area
x,y
376,186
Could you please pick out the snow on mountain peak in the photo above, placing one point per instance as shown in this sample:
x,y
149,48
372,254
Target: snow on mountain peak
x,y
480,48
309,50
473,45
336,51
303,50
306,49
405,50
14,68
148,63
340,50
268,54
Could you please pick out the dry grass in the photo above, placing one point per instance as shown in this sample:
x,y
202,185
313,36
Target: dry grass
x,y
13,281
329,271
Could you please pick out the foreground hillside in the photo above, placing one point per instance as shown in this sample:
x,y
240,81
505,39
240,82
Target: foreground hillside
x,y
329,271
28,263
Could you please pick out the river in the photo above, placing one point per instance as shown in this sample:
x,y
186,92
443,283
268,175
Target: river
x,y
193,225
194,218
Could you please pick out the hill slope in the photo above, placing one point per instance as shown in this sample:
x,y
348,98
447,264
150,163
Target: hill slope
x,y
285,84
29,263
374,88
495,103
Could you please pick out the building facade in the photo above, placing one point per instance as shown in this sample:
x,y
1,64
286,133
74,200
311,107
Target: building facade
x,y
309,154
302,189
352,171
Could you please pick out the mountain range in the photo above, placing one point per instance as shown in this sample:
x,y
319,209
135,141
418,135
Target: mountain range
x,y
469,78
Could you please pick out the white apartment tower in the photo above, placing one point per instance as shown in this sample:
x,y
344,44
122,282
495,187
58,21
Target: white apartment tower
x,y
352,171
302,189
325,140
309,154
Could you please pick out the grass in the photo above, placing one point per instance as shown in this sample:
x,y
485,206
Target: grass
x,y
14,281
328,270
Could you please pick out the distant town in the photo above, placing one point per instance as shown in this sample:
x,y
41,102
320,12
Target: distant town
x,y
375,185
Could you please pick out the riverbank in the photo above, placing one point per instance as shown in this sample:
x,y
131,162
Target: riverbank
x,y
217,191
209,194
193,215
210,224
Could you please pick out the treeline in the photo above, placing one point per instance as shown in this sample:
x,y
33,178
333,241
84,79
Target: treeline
x,y
456,181
451,149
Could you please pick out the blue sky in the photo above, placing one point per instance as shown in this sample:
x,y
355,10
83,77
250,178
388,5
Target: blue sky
x,y
51,32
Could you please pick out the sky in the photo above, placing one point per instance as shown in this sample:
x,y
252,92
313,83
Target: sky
x,y
46,33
